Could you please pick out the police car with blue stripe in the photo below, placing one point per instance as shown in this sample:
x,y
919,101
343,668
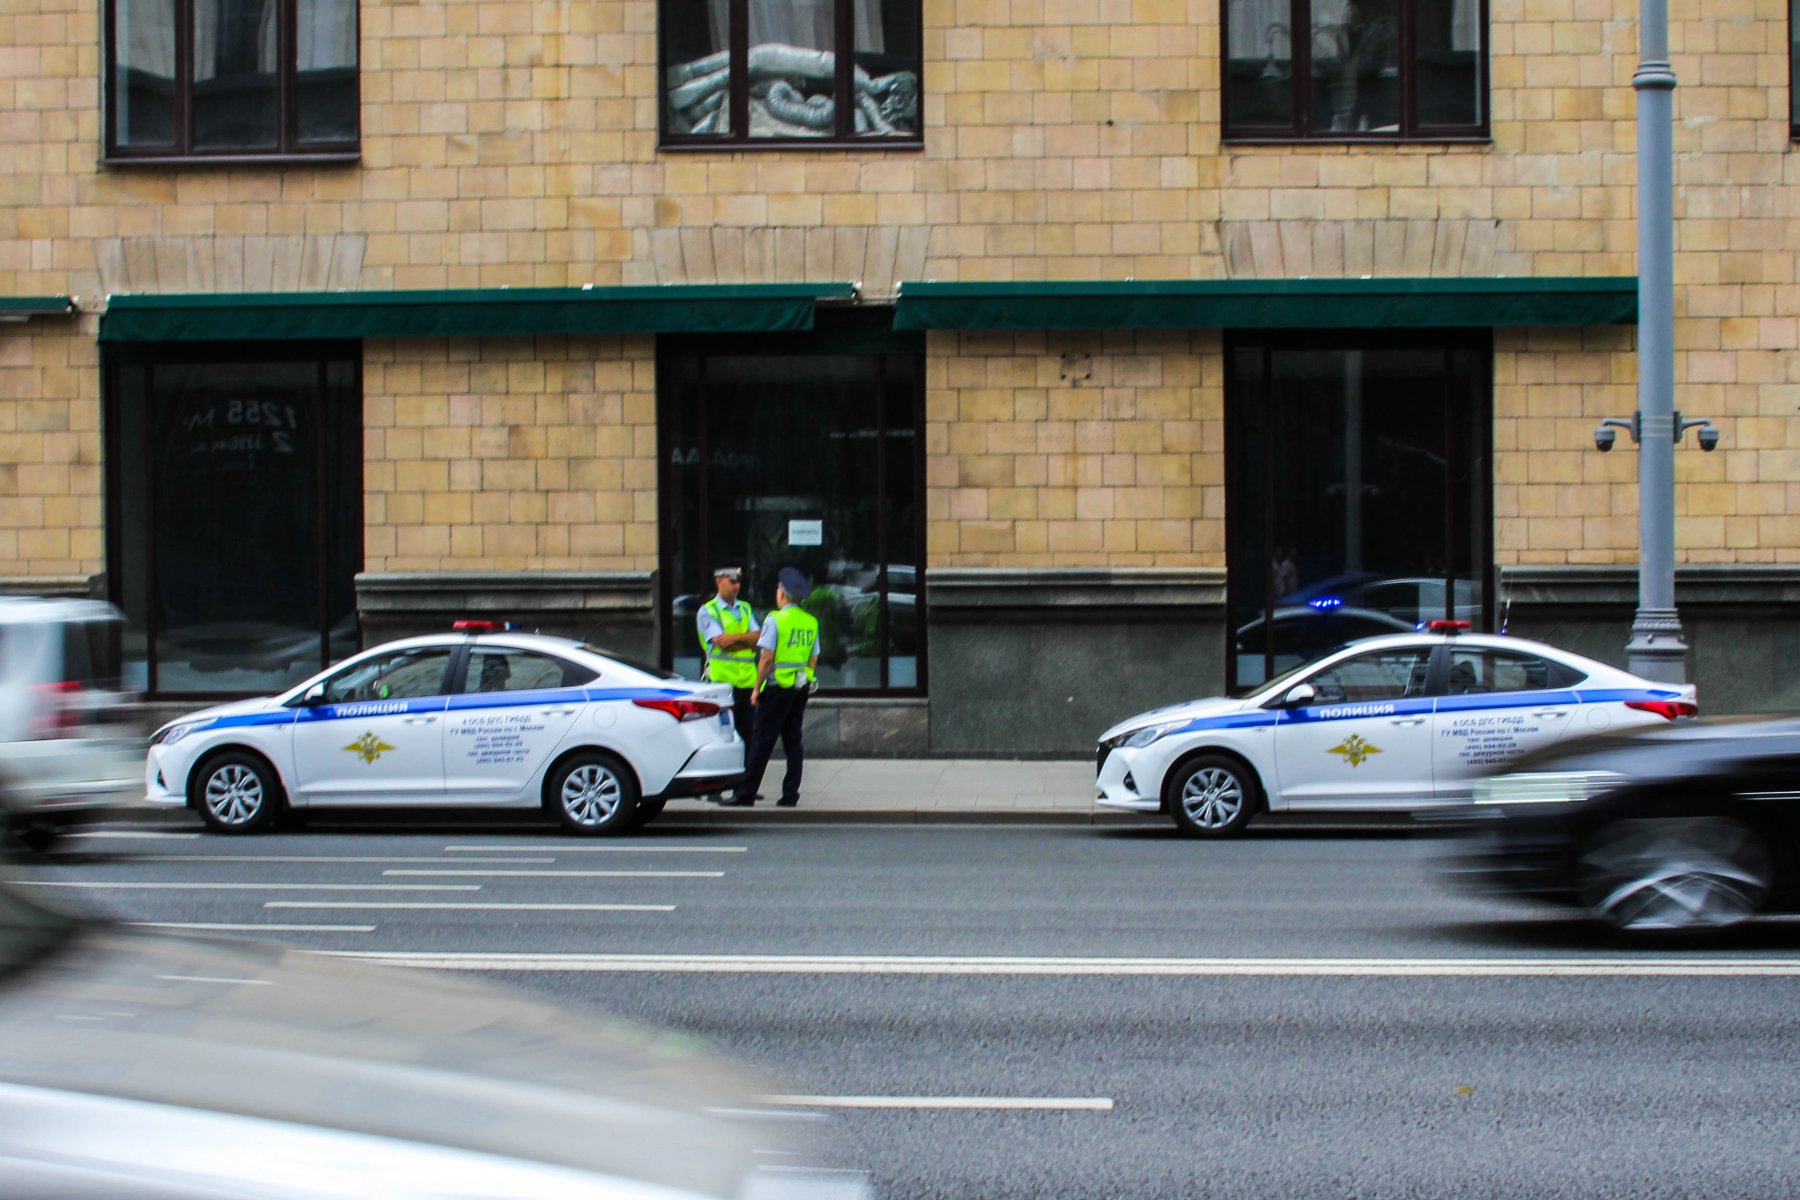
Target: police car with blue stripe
x,y
1389,723
482,717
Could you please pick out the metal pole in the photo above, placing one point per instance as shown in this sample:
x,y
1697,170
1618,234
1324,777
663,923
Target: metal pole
x,y
1656,649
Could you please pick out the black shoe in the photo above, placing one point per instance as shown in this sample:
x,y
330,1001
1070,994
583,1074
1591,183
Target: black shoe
x,y
784,802
737,803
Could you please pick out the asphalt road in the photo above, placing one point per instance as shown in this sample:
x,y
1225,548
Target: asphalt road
x,y
1077,1012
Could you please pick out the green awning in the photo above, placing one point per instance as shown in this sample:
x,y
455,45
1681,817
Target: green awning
x,y
23,308
1269,303
485,312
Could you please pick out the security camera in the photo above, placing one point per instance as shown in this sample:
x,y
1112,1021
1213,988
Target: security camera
x,y
1604,439
1708,438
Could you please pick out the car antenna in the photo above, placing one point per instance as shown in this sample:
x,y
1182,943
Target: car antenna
x,y
1505,614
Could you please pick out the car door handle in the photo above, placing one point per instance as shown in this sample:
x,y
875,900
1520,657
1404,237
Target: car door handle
x,y
556,712
1549,712
1408,721
425,720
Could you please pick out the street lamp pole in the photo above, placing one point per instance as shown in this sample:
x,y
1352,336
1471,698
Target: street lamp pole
x,y
1656,649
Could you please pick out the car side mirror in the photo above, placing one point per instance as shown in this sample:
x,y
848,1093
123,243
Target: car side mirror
x,y
313,696
1299,694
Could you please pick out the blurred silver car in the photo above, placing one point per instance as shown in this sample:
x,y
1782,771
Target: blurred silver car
x,y
68,749
135,1065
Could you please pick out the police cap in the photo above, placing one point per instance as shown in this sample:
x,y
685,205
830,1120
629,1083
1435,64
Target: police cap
x,y
794,583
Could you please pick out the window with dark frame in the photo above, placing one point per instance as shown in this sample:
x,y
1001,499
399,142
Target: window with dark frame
x,y
233,512
231,78
806,72
1355,70
804,450
1794,69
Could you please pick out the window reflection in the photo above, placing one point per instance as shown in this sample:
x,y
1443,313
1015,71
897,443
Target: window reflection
x,y
234,97
144,80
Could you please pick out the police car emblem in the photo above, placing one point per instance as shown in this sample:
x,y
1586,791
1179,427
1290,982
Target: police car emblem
x,y
1354,749
368,747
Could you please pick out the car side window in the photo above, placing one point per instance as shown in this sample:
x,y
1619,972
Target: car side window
x,y
1381,675
401,675
1477,671
496,669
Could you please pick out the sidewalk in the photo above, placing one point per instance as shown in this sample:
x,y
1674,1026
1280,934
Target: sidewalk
x,y
923,790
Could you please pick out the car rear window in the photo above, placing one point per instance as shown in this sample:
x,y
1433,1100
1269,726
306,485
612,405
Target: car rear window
x,y
91,653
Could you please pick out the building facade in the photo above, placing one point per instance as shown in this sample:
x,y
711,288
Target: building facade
x,y
1089,354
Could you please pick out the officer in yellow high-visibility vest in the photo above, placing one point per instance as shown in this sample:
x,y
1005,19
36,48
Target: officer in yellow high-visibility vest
x,y
786,673
728,633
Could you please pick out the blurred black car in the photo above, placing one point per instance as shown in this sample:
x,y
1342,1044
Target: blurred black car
x,y
139,1066
1691,826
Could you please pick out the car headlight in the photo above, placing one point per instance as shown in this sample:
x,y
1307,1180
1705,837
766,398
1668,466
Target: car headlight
x,y
168,735
1135,738
1545,787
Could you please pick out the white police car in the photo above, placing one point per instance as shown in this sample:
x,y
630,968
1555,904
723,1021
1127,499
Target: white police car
x,y
481,717
1393,723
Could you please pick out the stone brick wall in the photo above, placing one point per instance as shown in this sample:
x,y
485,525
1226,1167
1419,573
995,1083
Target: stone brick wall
x,y
1075,450
508,454
513,142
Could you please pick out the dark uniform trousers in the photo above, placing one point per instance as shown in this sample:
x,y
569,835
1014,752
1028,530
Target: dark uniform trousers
x,y
743,713
778,716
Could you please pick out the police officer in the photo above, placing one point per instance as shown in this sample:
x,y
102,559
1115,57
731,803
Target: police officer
x,y
728,636
786,673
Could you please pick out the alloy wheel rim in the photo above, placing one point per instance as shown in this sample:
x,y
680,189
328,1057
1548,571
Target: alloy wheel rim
x,y
1675,875
234,794
1212,797
590,795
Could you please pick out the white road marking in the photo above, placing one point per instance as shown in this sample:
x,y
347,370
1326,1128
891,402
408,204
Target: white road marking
x,y
259,887
568,874
225,927
216,979
851,964
567,848
1011,1103
365,904
323,858
132,833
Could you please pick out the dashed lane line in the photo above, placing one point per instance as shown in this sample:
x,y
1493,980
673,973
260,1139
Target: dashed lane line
x,y
140,885
568,848
1003,1103
564,874
446,905
227,927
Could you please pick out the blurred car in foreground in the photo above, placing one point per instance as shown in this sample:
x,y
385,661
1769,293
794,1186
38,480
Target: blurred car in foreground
x,y
480,716
137,1066
1686,827
68,751
1391,723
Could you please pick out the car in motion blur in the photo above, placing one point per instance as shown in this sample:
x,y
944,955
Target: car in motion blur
x,y
1392,723
1686,827
136,1066
68,748
481,716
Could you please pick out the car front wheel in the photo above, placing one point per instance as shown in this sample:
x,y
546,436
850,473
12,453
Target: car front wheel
x,y
594,794
236,793
1211,796
1674,873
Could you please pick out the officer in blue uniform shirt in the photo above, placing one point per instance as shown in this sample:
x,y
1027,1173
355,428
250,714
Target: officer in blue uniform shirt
x,y
786,674
728,633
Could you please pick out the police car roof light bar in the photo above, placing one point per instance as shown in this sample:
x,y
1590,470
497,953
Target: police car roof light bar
x,y
1446,626
483,626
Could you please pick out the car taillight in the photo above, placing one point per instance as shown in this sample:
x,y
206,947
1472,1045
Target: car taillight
x,y
682,710
53,714
1668,709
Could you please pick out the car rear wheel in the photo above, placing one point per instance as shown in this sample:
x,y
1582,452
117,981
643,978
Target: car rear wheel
x,y
594,794
236,793
1211,796
1674,873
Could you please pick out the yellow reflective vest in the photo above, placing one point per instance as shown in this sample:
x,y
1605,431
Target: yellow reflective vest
x,y
796,642
736,667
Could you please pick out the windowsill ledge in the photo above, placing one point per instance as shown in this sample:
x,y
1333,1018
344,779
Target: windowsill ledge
x,y
1476,141
335,159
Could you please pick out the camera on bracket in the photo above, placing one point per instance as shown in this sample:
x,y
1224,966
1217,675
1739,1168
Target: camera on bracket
x,y
1708,437
1604,437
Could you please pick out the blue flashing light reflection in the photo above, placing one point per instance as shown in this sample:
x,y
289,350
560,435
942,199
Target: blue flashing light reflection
x,y
1324,602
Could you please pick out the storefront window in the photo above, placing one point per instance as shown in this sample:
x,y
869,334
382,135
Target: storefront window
x,y
234,516
1357,501
799,450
